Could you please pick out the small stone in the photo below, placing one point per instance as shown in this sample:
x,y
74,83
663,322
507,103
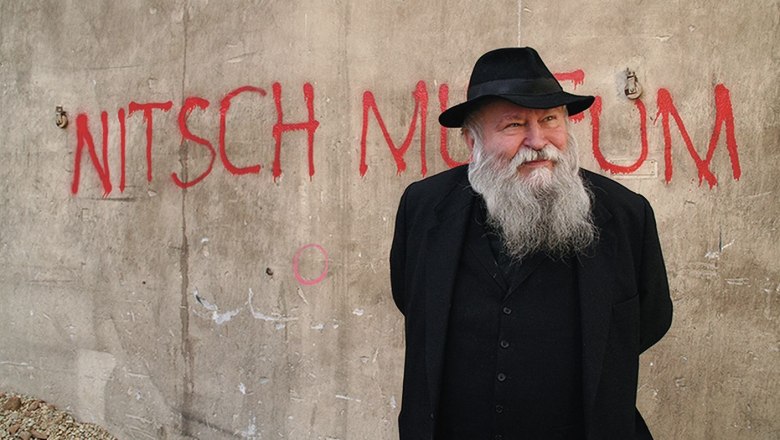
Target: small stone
x,y
35,405
13,404
24,435
13,428
38,435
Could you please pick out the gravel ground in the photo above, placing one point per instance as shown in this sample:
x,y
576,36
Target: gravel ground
x,y
23,417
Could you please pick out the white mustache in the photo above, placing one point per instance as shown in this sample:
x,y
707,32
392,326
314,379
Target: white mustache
x,y
525,154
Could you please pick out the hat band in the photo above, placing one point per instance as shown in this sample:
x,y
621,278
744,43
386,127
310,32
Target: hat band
x,y
540,86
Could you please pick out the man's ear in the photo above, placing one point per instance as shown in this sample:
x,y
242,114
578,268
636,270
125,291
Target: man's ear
x,y
468,136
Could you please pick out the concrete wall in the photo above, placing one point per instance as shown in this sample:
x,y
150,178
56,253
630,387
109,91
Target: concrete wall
x,y
257,305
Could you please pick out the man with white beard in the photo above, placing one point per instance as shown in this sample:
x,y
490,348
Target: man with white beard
x,y
532,189
529,286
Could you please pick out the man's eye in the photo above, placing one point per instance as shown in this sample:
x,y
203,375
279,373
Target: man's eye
x,y
514,124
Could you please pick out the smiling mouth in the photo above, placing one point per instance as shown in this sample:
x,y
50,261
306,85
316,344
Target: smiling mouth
x,y
536,162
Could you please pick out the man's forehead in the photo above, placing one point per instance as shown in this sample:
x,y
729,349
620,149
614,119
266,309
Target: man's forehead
x,y
503,109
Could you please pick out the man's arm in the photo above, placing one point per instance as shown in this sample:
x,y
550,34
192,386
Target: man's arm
x,y
655,304
398,256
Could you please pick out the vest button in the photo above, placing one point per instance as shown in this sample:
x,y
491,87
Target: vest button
x,y
504,344
507,311
501,377
499,409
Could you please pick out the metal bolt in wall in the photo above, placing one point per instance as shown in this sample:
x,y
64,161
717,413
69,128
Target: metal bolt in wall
x,y
62,117
633,89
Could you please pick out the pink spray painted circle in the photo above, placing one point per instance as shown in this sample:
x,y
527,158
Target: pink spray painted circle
x,y
296,263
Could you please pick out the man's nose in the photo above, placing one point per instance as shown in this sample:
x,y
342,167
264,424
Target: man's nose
x,y
534,137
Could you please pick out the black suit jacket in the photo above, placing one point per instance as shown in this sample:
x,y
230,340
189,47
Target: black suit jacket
x,y
624,298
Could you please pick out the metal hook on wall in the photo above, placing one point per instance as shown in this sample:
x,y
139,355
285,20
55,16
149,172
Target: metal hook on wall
x,y
633,89
62,117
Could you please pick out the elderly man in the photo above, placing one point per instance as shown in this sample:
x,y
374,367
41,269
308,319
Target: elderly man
x,y
529,286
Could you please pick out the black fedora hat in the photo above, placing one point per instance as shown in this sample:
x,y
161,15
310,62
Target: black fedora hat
x,y
518,75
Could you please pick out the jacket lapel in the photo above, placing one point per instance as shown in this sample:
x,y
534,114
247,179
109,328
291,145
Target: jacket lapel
x,y
444,246
479,245
595,302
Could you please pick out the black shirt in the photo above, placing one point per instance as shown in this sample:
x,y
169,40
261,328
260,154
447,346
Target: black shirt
x,y
512,364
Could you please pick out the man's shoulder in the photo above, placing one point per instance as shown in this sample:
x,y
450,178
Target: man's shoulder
x,y
611,194
439,185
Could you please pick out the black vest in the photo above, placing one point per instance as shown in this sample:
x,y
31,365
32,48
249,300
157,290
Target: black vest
x,y
512,362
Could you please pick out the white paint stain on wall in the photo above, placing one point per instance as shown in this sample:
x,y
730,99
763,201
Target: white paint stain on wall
x,y
300,294
738,281
273,317
223,317
714,255
768,302
216,316
251,431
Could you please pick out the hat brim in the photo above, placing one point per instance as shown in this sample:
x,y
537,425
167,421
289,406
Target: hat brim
x,y
454,116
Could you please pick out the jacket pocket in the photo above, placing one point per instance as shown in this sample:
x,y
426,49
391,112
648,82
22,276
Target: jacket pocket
x,y
624,331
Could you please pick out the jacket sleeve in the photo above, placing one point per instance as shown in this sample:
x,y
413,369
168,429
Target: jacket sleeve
x,y
655,304
398,256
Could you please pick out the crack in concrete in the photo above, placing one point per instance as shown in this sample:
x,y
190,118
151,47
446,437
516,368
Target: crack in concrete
x,y
187,351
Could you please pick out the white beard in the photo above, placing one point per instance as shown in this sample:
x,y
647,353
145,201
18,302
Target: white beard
x,y
547,211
